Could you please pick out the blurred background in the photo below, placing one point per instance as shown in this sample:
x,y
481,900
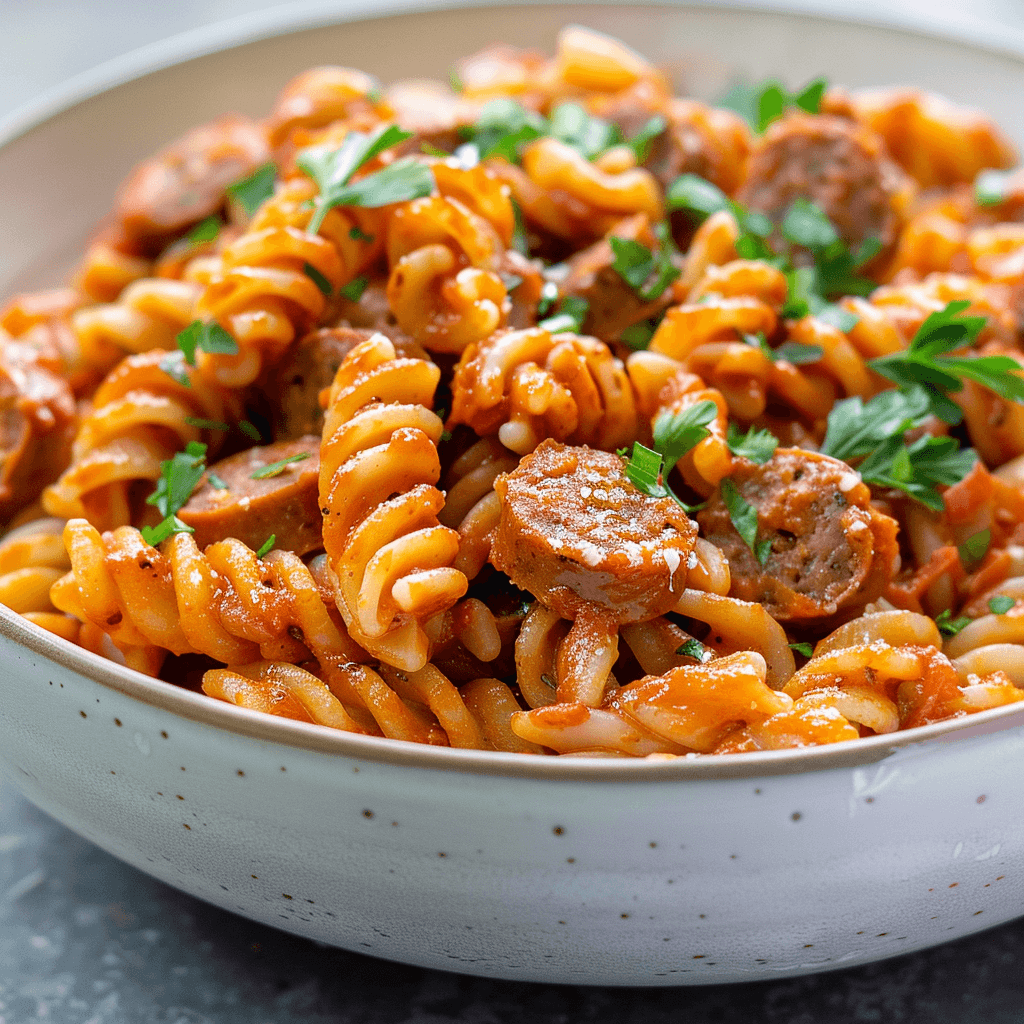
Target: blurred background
x,y
49,41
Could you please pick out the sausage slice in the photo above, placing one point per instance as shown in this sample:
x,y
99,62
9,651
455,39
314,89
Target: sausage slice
x,y
575,532
831,552
838,165
185,182
284,504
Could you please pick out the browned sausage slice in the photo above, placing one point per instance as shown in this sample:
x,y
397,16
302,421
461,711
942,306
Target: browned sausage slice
x,y
284,504
37,425
831,552
837,164
612,304
311,367
575,532
185,182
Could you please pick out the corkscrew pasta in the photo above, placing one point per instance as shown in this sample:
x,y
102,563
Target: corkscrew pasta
x,y
548,412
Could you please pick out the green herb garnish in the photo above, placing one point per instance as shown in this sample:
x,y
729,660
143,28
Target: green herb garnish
x,y
803,648
205,231
744,518
676,433
635,263
692,649
276,468
318,279
207,337
1000,604
332,170
196,421
758,446
266,546
570,315
642,141
252,192
353,291
179,476
975,548
948,626
760,105
217,482
991,187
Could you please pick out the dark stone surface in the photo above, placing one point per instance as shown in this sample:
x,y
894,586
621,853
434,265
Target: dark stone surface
x,y
85,939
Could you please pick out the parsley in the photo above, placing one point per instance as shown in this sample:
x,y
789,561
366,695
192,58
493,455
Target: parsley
x,y
975,547
991,187
797,354
699,199
179,476
251,193
503,127
249,430
756,445
644,471
353,291
917,468
357,234
570,315
276,468
196,421
856,427
266,546
332,170
570,123
790,351
744,518
205,231
520,242
948,626
217,482
430,149
638,336
548,297
760,105
803,648
692,649
642,141
1000,604
635,263
207,337
318,279
676,433
927,361
173,364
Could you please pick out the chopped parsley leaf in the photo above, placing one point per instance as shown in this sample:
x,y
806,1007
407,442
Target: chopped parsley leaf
x,y
642,141
196,421
572,124
205,231
252,192
179,476
318,279
357,234
744,518
353,291
173,364
676,433
570,316
638,336
276,468
207,337
692,649
332,170
991,187
218,482
758,446
918,468
1000,604
803,648
266,547
948,626
635,263
975,548
249,430
644,471
760,105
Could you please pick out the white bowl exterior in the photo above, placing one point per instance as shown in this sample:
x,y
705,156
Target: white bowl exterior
x,y
611,883
640,881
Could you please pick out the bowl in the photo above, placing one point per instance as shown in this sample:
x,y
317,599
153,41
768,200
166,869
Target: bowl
x,y
690,871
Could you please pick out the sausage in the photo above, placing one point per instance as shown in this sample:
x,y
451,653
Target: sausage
x,y
837,164
38,418
575,533
185,182
311,367
251,510
831,551
613,305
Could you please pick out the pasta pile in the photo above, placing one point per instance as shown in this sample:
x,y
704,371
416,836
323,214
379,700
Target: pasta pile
x,y
546,412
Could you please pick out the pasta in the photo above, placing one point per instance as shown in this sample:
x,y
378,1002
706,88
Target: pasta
x,y
550,413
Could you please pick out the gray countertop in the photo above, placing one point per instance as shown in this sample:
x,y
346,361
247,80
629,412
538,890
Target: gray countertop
x,y
85,939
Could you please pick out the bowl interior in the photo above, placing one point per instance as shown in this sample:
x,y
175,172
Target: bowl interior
x,y
65,168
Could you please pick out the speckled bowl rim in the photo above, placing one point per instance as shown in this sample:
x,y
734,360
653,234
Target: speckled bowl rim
x,y
198,707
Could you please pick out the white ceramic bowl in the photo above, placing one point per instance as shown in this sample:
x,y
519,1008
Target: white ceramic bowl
x,y
694,871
